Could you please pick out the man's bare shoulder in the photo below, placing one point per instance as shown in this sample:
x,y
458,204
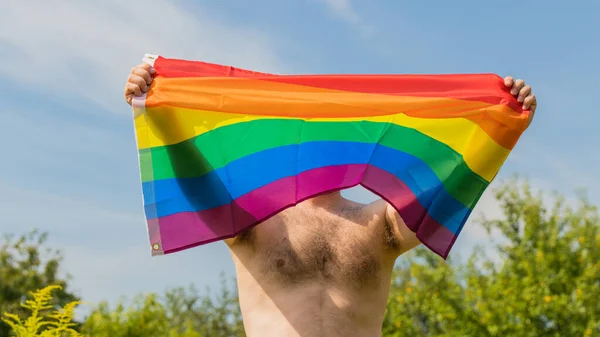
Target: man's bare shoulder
x,y
398,235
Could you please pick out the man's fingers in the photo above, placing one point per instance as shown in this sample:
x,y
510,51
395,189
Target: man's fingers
x,y
148,68
143,74
139,81
133,89
530,102
144,67
523,93
517,86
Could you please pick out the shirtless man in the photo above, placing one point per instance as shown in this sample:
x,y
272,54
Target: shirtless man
x,y
324,267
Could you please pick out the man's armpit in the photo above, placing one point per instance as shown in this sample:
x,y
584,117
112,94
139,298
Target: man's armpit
x,y
406,239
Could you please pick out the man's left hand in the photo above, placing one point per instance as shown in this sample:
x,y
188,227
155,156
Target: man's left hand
x,y
524,94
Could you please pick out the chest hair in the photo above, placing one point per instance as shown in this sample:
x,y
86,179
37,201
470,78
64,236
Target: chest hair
x,y
299,246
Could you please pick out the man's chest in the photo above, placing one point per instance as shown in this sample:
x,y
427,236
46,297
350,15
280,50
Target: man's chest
x,y
299,246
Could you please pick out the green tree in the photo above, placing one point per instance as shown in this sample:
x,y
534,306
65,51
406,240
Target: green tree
x,y
544,279
26,265
180,312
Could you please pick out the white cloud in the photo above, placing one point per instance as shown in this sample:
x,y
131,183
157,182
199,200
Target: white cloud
x,y
343,9
39,208
86,48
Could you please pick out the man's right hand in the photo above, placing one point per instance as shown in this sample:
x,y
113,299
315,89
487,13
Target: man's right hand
x,y
138,81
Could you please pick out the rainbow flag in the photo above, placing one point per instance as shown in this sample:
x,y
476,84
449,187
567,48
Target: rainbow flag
x,y
222,149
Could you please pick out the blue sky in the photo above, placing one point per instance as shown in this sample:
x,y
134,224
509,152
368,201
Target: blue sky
x,y
69,163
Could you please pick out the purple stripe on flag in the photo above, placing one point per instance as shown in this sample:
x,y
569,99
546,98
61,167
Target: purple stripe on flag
x,y
187,229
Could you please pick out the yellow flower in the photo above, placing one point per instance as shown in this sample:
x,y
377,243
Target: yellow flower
x,y
547,299
60,320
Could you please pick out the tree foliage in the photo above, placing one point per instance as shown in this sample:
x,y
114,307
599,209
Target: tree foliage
x,y
179,313
26,265
543,279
